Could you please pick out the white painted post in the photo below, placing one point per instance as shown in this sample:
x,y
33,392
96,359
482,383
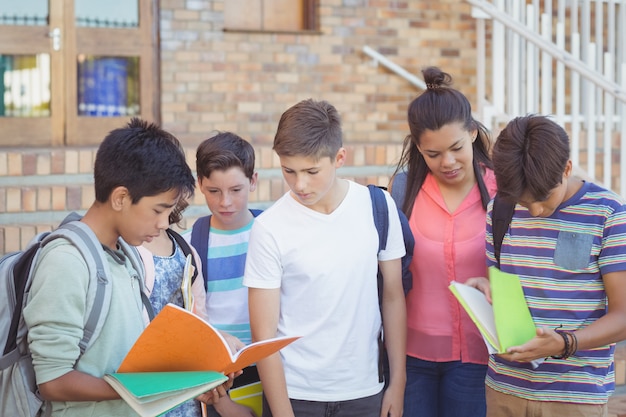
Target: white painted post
x,y
546,67
609,113
590,115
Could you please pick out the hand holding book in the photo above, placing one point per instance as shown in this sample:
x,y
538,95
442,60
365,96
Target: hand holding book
x,y
504,322
180,356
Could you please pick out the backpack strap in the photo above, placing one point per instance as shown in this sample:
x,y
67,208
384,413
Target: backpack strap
x,y
255,212
200,241
99,298
381,215
134,256
381,221
501,216
184,246
398,188
99,295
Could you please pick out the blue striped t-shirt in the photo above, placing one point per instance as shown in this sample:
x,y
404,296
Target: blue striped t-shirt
x,y
560,261
227,298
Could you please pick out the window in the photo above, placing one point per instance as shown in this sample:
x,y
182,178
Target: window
x,y
270,15
72,69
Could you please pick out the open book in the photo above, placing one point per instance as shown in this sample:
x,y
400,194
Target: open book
x,y
504,323
179,343
153,393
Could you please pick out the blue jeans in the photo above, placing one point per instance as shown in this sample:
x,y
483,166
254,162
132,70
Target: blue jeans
x,y
444,389
361,407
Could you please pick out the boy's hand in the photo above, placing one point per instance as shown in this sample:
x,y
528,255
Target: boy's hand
x,y
213,396
228,408
393,402
233,343
546,343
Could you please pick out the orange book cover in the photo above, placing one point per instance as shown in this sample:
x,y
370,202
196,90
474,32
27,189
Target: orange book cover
x,y
178,340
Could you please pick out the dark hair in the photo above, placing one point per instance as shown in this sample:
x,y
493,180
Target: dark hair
x,y
143,158
309,128
438,106
176,216
530,155
223,151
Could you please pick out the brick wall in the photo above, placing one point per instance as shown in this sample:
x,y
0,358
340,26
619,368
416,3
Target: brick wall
x,y
216,80
40,187
242,82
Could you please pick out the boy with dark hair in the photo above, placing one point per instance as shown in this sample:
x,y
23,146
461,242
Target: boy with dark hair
x,y
312,271
139,175
226,177
566,243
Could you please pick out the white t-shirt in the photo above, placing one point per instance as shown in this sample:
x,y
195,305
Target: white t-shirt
x,y
326,267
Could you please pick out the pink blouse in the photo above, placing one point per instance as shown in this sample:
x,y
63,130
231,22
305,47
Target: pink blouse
x,y
448,247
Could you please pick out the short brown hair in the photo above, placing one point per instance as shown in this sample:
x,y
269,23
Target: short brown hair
x,y
223,151
309,128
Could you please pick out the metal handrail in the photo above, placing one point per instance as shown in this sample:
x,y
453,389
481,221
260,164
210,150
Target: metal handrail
x,y
387,63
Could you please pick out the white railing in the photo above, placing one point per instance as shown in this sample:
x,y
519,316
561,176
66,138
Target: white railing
x,y
566,59
379,58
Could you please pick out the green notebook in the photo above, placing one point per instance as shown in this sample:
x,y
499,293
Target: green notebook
x,y
505,323
153,393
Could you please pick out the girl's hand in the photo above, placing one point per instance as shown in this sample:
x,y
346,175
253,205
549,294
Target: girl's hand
x,y
481,284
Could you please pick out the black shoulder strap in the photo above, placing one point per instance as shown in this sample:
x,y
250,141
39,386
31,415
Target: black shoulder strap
x,y
184,246
398,188
501,216
200,241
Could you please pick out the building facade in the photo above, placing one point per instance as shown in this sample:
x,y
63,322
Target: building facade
x,y
203,66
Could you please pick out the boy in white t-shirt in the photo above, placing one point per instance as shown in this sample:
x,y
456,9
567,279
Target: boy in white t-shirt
x,y
311,271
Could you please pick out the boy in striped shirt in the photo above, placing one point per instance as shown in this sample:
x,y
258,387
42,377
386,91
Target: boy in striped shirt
x,y
567,243
226,178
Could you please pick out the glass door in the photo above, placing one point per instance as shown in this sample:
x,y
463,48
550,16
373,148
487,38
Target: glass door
x,y
112,72
28,98
72,70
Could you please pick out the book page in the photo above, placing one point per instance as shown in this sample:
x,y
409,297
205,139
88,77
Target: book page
x,y
151,394
186,283
256,351
480,311
178,340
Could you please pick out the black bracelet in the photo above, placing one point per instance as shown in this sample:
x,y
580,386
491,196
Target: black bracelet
x,y
571,347
574,344
565,353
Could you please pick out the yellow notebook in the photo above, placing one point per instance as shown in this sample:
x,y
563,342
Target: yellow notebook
x,y
249,395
